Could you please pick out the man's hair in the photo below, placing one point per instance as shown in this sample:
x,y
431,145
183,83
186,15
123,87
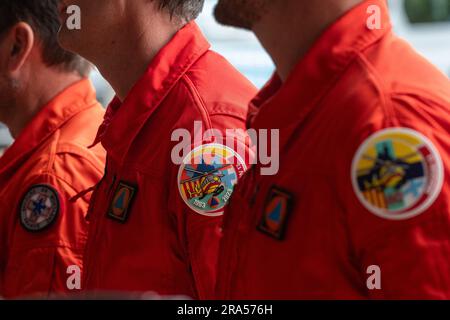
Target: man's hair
x,y
43,17
187,10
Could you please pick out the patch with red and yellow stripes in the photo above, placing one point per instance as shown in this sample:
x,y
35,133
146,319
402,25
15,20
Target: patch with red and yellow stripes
x,y
207,177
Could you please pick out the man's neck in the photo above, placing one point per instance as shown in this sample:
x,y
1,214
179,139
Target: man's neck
x,y
291,28
131,53
34,97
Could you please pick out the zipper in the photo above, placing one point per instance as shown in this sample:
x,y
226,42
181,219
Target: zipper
x,y
95,223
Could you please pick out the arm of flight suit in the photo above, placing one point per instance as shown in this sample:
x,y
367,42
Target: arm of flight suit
x,y
402,240
200,237
42,253
202,230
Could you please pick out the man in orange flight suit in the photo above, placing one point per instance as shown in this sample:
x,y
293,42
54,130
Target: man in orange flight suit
x,y
155,222
360,206
52,112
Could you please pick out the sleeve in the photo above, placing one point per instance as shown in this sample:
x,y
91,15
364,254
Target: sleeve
x,y
206,180
398,211
48,241
3,245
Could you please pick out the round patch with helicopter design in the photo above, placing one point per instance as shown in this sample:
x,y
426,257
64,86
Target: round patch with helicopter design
x,y
397,173
207,177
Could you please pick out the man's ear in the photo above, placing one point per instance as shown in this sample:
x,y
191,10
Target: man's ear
x,y
19,43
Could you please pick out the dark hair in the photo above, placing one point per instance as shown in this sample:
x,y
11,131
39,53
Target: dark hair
x,y
187,10
43,17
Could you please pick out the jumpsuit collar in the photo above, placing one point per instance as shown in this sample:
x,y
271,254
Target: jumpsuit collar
x,y
318,70
71,101
123,121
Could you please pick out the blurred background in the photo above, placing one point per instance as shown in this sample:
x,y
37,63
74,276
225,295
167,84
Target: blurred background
x,y
424,23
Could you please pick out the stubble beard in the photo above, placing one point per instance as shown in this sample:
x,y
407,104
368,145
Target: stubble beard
x,y
240,13
9,88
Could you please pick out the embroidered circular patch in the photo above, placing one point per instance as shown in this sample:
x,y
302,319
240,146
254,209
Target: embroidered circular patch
x,y
207,177
397,173
39,208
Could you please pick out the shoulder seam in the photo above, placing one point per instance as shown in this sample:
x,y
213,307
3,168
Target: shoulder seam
x,y
63,181
383,92
79,151
53,149
197,99
50,174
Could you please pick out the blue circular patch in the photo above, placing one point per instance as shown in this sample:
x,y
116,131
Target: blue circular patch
x,y
39,208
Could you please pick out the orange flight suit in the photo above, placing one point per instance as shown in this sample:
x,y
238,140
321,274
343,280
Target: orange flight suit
x,y
42,232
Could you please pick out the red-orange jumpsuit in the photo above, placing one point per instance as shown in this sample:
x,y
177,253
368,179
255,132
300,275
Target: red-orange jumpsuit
x,y
360,207
155,224
42,233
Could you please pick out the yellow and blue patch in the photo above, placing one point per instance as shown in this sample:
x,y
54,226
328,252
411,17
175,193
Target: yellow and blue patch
x,y
397,173
276,213
207,177
121,204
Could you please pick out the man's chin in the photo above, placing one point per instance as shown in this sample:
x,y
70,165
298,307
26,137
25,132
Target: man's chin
x,y
226,14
